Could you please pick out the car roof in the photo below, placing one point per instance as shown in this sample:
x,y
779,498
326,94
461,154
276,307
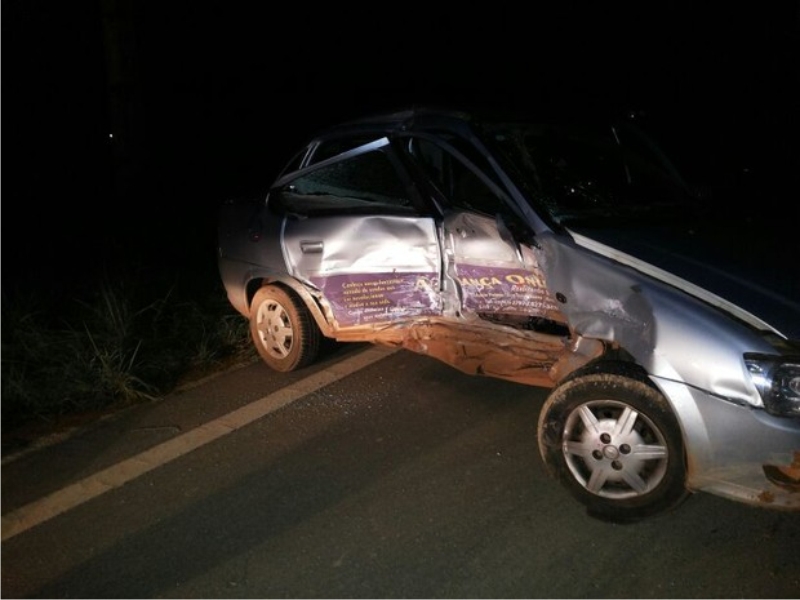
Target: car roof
x,y
412,118
458,120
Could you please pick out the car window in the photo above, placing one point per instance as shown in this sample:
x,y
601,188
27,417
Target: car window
x,y
590,173
650,172
364,183
460,185
580,166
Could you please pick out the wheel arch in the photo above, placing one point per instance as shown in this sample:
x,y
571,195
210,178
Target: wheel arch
x,y
295,288
612,362
694,429
618,362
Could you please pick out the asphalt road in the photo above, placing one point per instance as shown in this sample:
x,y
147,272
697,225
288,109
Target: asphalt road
x,y
373,474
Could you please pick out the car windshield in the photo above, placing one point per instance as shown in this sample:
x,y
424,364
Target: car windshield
x,y
588,174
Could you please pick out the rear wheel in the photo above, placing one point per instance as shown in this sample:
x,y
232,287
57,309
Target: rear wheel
x,y
614,442
283,330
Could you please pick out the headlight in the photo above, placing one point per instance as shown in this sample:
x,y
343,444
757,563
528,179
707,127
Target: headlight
x,y
777,379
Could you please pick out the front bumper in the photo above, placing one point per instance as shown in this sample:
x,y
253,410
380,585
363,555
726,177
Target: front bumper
x,y
738,452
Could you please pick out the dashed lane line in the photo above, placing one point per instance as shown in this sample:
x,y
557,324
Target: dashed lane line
x,y
59,502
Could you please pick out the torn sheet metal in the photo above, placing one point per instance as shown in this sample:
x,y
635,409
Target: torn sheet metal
x,y
478,347
604,299
476,240
786,475
524,357
486,351
598,301
493,272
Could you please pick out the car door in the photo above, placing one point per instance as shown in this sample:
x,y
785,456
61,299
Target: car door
x,y
354,230
499,318
497,274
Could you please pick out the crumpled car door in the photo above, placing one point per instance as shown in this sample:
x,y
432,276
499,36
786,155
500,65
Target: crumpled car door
x,y
509,325
495,274
503,320
352,233
369,269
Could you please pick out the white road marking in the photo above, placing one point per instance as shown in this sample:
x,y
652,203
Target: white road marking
x,y
58,502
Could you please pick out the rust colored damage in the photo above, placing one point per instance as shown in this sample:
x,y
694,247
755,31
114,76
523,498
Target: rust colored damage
x,y
758,484
766,497
478,352
785,476
482,348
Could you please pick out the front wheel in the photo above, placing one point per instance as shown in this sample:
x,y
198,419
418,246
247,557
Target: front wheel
x,y
283,330
614,442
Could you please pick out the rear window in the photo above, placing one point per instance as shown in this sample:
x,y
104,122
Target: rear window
x,y
365,183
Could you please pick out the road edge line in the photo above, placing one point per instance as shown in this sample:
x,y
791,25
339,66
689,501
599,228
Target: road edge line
x,y
65,499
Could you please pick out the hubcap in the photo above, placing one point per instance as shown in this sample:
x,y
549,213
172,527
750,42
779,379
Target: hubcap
x,y
274,329
614,451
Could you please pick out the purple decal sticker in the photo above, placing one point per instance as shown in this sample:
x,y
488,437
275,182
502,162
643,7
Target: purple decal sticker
x,y
364,298
509,291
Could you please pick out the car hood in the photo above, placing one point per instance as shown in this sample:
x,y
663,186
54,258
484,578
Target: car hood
x,y
753,268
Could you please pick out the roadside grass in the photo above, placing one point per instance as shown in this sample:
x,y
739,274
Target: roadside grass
x,y
109,346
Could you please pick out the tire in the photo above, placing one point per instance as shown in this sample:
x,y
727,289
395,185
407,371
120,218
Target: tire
x,y
283,330
615,444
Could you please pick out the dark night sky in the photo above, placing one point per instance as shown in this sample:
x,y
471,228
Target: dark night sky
x,y
216,96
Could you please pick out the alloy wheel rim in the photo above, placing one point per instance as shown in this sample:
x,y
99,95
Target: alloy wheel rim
x,y
613,450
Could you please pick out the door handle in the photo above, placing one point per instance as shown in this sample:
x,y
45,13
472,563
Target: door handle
x,y
311,247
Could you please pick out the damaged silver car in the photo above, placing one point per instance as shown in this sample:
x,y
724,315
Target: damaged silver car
x,y
564,256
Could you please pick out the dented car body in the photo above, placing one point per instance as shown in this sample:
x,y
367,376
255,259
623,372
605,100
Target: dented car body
x,y
560,256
